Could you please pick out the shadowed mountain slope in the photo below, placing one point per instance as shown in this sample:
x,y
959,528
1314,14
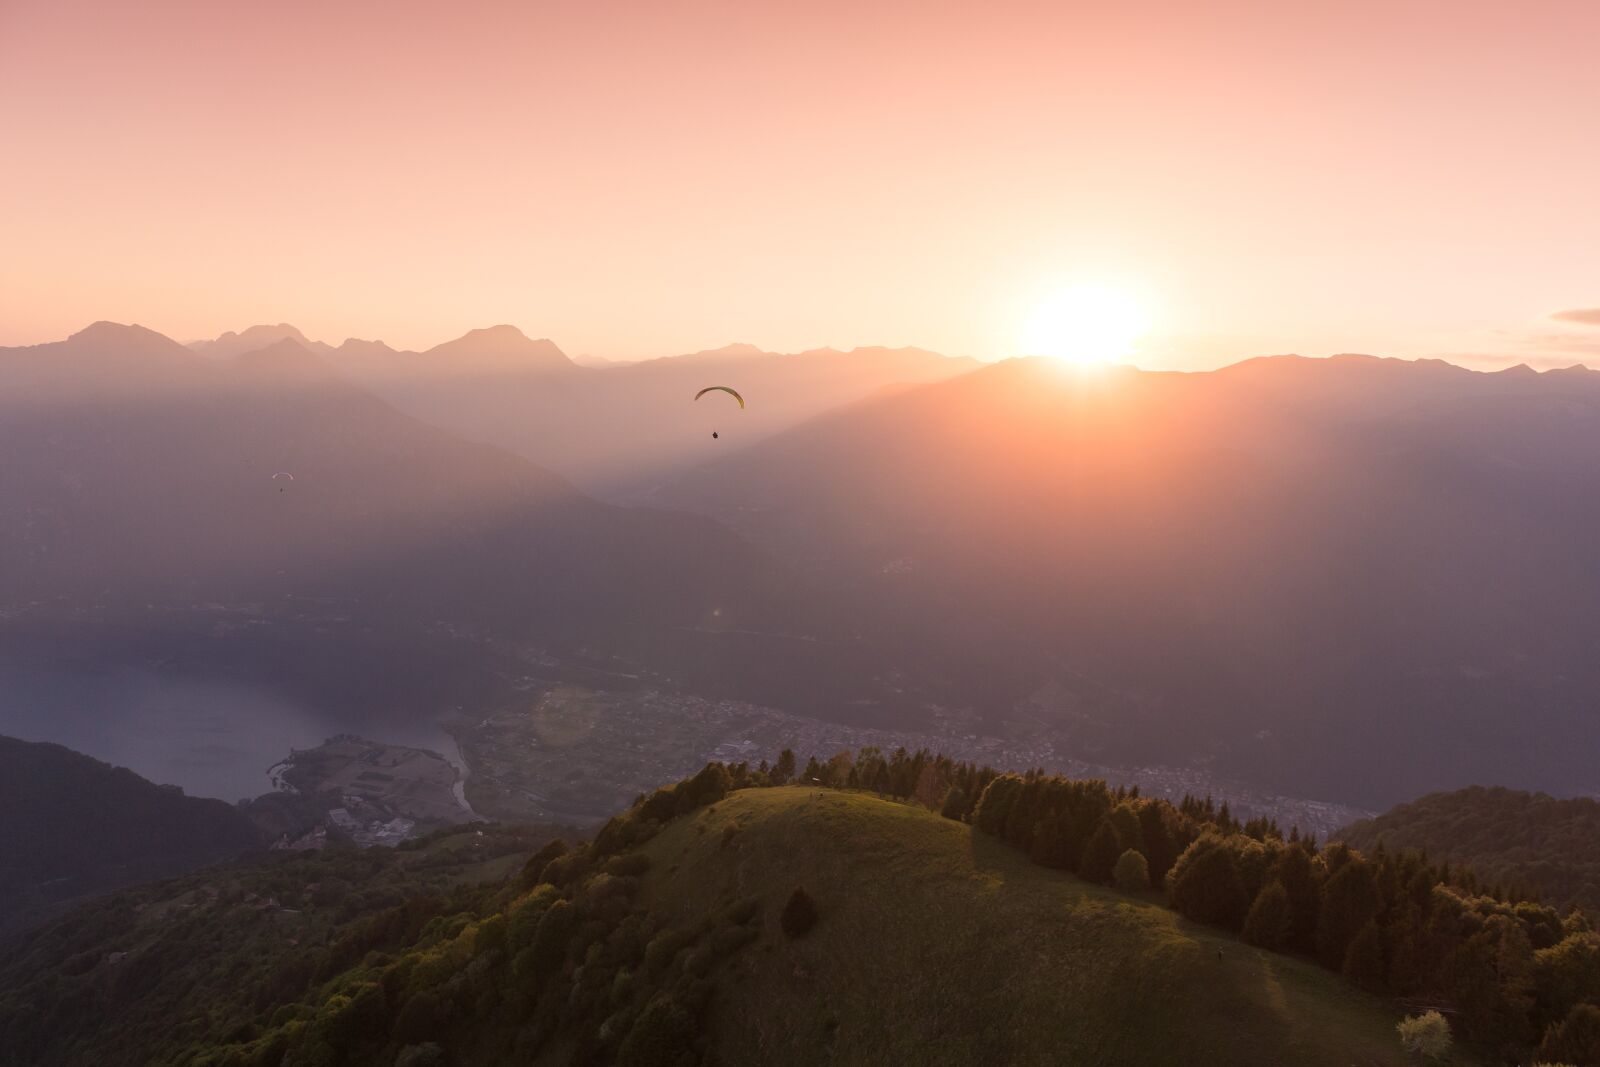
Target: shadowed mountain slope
x,y
71,826
1349,578
140,477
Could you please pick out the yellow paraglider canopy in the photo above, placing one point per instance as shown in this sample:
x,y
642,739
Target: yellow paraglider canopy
x,y
721,388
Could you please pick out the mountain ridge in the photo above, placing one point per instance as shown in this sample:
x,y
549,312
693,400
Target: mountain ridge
x,y
72,826
129,526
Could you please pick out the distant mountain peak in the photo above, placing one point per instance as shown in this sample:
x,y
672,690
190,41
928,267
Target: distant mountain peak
x,y
502,330
109,345
252,339
737,350
503,344
285,344
105,330
355,344
280,351
282,329
290,360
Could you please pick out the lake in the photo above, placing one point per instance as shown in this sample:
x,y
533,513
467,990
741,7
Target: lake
x,y
213,738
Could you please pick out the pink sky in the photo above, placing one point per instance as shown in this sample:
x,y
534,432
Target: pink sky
x,y
645,178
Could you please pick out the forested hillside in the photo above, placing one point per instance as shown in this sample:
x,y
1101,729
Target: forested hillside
x,y
1507,837
729,918
713,923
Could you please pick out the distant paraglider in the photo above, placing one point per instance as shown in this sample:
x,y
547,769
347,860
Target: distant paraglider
x,y
281,480
720,389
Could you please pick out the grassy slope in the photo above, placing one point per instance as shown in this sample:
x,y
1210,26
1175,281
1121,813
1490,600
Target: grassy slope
x,y
941,946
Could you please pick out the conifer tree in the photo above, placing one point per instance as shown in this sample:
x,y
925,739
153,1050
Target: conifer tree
x,y
1047,850
1296,872
1349,902
1363,961
1270,922
1100,857
1160,850
994,806
1130,833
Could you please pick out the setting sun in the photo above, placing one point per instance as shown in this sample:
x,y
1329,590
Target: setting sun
x,y
1085,324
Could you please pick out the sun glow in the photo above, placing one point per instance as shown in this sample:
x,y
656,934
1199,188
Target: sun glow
x,y
1085,324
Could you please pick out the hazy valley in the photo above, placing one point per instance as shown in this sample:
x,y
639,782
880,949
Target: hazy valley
x,y
877,551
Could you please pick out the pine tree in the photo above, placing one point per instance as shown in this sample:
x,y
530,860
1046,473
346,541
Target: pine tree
x,y
783,770
1270,922
1406,967
1047,850
994,806
1159,849
1363,961
1024,814
1130,834
1100,858
1349,902
1295,870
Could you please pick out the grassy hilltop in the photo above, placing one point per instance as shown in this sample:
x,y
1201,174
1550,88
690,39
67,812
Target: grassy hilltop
x,y
937,945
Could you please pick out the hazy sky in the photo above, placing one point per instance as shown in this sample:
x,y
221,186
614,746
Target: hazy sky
x,y
635,179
